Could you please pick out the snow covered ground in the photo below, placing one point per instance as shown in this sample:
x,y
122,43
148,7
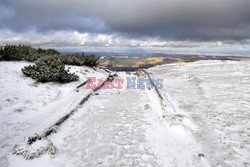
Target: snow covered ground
x,y
215,97
27,107
206,118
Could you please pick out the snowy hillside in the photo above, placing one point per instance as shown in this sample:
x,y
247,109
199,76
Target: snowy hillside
x,y
27,107
203,120
214,96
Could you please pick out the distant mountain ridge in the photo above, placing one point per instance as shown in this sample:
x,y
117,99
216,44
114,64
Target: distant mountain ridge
x,y
131,63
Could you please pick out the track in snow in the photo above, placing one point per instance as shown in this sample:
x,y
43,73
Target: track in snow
x,y
110,129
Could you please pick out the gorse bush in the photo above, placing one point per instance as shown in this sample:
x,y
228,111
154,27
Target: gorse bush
x,y
22,52
48,69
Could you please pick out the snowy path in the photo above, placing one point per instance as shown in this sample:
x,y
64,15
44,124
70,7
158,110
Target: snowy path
x,y
119,128
109,130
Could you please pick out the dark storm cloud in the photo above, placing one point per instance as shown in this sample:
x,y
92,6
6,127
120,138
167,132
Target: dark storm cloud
x,y
203,20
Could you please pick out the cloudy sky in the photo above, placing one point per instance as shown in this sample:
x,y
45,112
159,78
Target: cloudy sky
x,y
106,25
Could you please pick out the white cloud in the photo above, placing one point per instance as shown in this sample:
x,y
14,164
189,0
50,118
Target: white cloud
x,y
74,39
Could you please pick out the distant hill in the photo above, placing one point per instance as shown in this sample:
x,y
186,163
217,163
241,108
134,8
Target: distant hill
x,y
131,63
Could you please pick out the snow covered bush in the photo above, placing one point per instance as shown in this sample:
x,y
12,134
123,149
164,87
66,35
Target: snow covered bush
x,y
48,69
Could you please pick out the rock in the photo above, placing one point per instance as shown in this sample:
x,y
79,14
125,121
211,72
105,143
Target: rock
x,y
19,110
146,106
201,155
